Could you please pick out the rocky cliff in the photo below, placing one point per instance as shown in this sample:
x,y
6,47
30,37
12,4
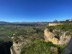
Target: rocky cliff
x,y
58,37
18,44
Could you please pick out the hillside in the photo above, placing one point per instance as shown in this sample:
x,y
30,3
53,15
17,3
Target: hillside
x,y
40,39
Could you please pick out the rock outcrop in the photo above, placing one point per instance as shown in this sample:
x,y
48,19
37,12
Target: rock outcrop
x,y
16,47
56,36
18,44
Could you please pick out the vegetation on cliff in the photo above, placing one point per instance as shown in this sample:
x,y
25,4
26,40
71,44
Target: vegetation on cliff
x,y
41,47
64,27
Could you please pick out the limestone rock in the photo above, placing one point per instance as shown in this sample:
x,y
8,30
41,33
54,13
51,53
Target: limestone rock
x,y
60,39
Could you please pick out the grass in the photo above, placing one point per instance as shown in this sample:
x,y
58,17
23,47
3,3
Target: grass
x,y
41,47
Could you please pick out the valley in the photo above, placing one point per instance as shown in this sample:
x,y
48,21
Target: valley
x,y
35,38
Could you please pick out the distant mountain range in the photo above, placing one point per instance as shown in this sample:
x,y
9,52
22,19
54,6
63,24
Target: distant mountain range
x,y
23,23
3,22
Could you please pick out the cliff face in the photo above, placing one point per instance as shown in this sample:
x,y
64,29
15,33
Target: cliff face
x,y
56,36
18,44
16,47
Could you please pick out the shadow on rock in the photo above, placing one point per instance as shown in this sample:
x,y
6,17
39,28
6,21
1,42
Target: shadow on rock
x,y
5,47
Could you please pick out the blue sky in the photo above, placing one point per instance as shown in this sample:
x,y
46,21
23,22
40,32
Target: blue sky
x,y
35,10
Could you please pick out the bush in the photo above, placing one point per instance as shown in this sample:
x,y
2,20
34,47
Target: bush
x,y
39,47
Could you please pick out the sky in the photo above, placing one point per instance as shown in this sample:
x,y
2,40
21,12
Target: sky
x,y
35,10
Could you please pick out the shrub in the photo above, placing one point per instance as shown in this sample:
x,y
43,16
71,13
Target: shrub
x,y
39,47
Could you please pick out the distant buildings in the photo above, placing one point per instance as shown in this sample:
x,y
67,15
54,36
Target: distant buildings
x,y
54,24
59,22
